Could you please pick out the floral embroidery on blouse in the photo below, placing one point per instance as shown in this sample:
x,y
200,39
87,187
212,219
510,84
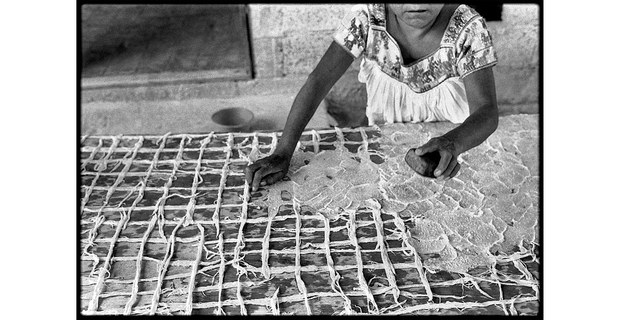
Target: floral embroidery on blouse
x,y
352,32
378,14
466,46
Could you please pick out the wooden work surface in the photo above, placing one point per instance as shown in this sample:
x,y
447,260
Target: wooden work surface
x,y
163,216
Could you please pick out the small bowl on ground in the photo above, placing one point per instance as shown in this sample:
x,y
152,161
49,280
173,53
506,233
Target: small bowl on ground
x,y
232,119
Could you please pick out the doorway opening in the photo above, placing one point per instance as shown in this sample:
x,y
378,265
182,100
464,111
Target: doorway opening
x,y
134,45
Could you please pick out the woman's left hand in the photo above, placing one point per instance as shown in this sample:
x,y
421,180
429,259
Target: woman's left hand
x,y
448,166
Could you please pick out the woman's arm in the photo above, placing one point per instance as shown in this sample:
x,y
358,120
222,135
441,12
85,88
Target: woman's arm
x,y
481,123
483,118
330,68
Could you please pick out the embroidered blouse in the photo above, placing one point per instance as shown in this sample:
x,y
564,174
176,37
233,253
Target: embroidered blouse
x,y
436,90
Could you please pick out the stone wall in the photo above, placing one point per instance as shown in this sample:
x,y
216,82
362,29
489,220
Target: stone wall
x,y
289,40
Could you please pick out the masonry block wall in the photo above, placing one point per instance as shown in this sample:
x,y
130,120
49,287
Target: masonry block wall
x,y
289,40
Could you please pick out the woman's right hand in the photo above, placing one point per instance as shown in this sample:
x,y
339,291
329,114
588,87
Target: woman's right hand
x,y
330,68
267,170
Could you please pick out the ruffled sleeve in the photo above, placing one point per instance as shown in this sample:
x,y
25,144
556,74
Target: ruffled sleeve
x,y
352,31
474,48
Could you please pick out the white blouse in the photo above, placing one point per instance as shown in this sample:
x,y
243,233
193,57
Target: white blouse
x,y
430,89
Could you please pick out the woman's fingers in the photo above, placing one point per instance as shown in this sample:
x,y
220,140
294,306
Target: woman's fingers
x,y
261,174
446,149
258,177
266,171
455,171
446,157
250,170
272,178
446,174
430,146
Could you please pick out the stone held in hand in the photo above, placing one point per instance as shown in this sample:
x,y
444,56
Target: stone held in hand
x,y
425,164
